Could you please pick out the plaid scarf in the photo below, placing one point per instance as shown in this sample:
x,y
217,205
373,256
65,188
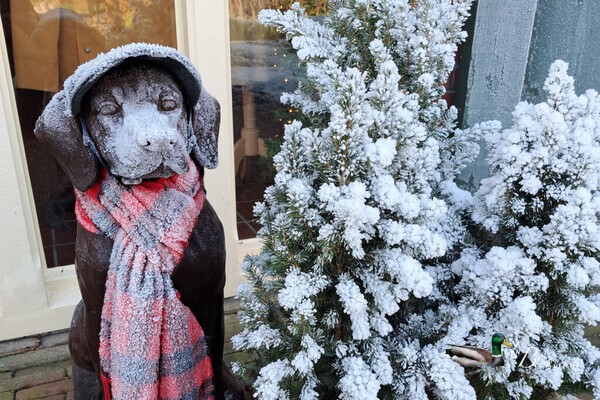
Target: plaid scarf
x,y
151,345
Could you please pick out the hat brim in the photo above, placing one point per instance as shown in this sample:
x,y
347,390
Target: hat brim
x,y
167,58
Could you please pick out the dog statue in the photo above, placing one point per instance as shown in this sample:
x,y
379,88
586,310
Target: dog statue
x,y
136,116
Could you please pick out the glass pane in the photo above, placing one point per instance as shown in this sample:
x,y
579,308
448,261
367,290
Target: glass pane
x,y
263,65
46,41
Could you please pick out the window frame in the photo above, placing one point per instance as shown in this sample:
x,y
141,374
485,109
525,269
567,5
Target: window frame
x,y
36,299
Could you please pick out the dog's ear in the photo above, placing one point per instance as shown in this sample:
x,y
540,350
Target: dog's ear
x,y
61,134
206,119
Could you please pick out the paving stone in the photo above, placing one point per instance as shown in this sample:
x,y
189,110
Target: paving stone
x,y
238,356
228,348
55,339
593,335
231,317
46,390
55,397
70,396
585,396
5,375
7,396
41,368
231,305
36,376
34,358
232,326
18,346
69,370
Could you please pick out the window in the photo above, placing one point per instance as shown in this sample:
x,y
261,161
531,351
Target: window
x,y
263,65
46,41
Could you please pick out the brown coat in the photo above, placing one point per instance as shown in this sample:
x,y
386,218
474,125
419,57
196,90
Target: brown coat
x,y
47,49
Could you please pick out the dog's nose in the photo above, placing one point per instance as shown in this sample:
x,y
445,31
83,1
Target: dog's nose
x,y
155,141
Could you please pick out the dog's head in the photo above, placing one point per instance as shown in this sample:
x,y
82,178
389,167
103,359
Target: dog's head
x,y
138,113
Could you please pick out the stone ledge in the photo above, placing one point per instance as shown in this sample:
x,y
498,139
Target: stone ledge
x,y
55,339
19,346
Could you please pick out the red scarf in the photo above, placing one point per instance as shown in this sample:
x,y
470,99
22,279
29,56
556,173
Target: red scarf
x,y
151,345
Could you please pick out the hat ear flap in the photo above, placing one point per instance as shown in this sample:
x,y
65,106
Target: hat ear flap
x,y
61,134
206,118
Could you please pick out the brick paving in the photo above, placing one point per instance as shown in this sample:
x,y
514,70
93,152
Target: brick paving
x,y
39,367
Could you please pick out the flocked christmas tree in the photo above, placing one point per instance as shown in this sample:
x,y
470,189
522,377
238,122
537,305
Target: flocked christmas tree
x,y
537,278
355,217
529,263
369,270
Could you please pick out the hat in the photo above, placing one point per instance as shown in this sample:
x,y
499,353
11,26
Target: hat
x,y
87,74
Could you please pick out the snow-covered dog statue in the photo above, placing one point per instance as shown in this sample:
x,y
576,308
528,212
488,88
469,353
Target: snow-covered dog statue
x,y
134,129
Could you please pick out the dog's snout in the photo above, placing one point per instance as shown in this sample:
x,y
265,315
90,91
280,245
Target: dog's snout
x,y
155,141
149,130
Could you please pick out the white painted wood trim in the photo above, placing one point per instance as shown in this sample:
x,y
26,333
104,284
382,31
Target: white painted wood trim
x,y
26,305
208,40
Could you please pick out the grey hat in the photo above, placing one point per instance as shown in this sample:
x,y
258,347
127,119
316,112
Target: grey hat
x,y
87,74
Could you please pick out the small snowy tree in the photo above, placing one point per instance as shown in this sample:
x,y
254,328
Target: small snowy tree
x,y
537,277
355,219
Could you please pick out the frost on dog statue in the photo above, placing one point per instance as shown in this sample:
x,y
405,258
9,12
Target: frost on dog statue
x,y
134,129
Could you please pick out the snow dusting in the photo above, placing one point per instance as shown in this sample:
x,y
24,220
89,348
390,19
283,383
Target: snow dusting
x,y
375,259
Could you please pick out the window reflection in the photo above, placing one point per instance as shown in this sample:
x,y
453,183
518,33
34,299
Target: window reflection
x,y
46,41
263,65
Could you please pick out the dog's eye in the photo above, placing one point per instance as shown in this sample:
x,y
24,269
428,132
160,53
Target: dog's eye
x,y
167,104
108,108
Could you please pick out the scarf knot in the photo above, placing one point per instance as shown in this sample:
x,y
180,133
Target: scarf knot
x,y
151,345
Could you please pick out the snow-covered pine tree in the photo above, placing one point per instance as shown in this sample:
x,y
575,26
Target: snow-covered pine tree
x,y
536,277
354,216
